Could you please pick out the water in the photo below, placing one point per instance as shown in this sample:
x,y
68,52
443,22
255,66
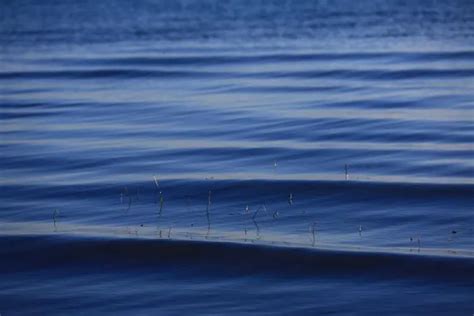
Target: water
x,y
310,157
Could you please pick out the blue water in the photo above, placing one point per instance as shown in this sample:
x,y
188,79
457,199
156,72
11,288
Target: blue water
x,y
236,157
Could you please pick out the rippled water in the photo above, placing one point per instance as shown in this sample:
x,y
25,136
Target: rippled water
x,y
300,150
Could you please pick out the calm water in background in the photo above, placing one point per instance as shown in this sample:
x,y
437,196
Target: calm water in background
x,y
248,113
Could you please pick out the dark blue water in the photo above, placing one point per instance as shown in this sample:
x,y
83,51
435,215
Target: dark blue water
x,y
236,157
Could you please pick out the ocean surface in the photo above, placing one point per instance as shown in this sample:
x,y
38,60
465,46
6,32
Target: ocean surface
x,y
236,157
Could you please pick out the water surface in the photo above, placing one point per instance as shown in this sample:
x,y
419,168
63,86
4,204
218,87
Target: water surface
x,y
310,157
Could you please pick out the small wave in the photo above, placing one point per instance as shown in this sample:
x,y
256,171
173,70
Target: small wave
x,y
233,189
369,74
47,252
103,74
213,60
342,74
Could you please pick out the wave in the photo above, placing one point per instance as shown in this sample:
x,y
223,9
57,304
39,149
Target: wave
x,y
104,73
232,189
210,60
342,74
49,252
